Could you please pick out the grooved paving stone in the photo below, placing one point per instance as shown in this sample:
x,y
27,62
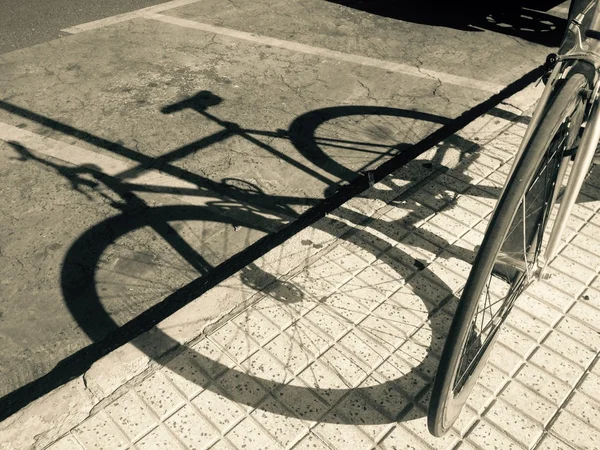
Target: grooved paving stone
x,y
580,332
186,375
487,436
581,256
281,423
242,388
254,324
66,443
556,365
221,411
345,307
579,272
131,415
365,350
192,429
247,434
591,385
521,428
234,340
575,432
264,366
587,314
212,359
99,432
569,348
528,324
550,442
328,322
585,408
292,354
518,342
564,282
401,439
341,436
552,296
309,442
528,401
160,394
537,309
543,383
158,439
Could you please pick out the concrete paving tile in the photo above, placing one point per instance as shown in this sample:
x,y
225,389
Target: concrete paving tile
x,y
279,422
445,228
538,309
429,290
67,442
543,383
256,325
448,278
431,197
582,273
504,359
550,442
345,364
487,436
241,388
339,436
520,343
290,353
467,418
132,416
158,439
222,412
160,394
309,337
382,332
386,397
233,340
585,408
299,399
480,398
531,403
580,332
212,360
403,376
247,434
329,385
402,439
527,324
558,366
564,282
493,378
365,350
346,259
569,348
591,385
363,239
416,354
380,280
399,317
550,295
191,429
328,322
581,256
185,374
521,428
264,366
276,312
315,287
365,411
586,239
587,314
419,246
419,428
575,432
99,432
329,270
309,442
591,295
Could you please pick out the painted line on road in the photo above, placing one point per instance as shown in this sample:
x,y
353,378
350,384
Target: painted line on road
x,y
126,16
98,162
405,69
333,54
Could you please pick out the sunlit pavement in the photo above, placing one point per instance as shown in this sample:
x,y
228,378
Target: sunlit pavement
x,y
147,149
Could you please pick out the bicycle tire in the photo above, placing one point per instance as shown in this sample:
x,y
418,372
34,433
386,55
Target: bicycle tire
x,y
529,190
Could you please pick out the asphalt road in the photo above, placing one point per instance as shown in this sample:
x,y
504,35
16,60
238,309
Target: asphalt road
x,y
226,99
25,23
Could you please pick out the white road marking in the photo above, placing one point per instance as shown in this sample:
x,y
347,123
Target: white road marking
x,y
126,16
98,162
333,54
405,69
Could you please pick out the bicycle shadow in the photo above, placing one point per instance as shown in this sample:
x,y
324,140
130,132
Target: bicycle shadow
x,y
248,208
525,20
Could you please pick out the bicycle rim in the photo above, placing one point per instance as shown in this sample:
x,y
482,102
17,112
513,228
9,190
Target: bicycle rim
x,y
507,259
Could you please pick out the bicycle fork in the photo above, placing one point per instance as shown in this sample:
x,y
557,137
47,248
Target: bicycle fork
x,y
579,170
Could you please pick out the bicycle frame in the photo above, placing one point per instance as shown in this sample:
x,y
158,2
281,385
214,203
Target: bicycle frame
x,y
585,50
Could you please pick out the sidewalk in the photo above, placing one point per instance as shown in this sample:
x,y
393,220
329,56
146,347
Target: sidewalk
x,y
337,345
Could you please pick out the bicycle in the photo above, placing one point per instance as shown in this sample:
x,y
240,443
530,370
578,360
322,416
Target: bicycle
x,y
516,251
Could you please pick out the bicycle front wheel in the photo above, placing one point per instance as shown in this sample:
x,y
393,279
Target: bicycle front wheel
x,y
507,259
